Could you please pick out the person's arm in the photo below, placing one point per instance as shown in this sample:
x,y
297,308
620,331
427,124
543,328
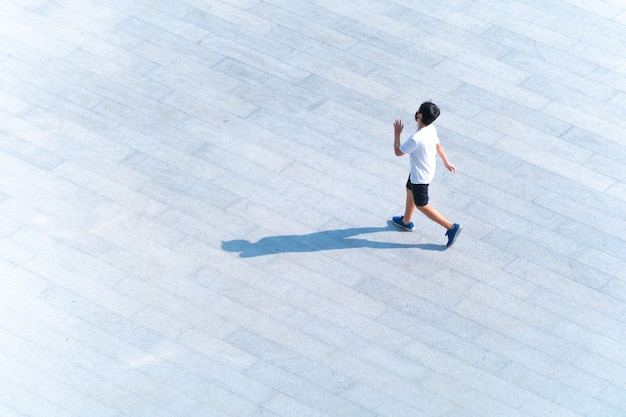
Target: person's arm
x,y
397,130
444,158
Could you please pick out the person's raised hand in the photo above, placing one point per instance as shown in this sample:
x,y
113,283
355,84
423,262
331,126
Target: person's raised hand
x,y
398,126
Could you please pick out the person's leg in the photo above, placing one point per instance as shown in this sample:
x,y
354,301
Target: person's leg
x,y
420,199
410,207
452,229
405,220
435,216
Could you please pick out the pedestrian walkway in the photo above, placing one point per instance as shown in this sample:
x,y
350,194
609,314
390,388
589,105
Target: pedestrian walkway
x,y
196,197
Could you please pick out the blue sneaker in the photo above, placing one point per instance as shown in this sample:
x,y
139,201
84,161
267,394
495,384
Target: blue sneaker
x,y
453,234
397,220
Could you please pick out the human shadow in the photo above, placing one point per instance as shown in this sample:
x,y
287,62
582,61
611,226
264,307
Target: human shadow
x,y
320,241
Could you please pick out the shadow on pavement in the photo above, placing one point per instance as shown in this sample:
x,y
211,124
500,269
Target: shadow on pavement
x,y
319,241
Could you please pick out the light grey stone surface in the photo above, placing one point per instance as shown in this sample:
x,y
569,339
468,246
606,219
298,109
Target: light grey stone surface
x,y
195,200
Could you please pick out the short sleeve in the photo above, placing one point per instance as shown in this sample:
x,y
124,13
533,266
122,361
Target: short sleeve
x,y
409,146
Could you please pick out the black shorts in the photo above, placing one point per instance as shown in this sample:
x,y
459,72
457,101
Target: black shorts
x,y
420,193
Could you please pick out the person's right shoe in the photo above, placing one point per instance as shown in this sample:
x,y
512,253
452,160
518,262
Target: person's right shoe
x,y
397,220
453,234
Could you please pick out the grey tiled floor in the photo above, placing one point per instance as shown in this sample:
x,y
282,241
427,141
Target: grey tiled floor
x,y
195,196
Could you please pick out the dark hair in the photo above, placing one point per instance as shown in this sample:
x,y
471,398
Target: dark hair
x,y
429,111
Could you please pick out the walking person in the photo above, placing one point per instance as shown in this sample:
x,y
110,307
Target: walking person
x,y
423,147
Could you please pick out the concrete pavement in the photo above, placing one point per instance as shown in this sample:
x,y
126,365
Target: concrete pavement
x,y
195,200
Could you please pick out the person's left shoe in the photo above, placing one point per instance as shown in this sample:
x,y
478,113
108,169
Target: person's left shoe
x,y
453,234
398,221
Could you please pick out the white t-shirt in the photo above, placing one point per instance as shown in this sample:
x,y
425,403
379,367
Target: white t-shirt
x,y
422,147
